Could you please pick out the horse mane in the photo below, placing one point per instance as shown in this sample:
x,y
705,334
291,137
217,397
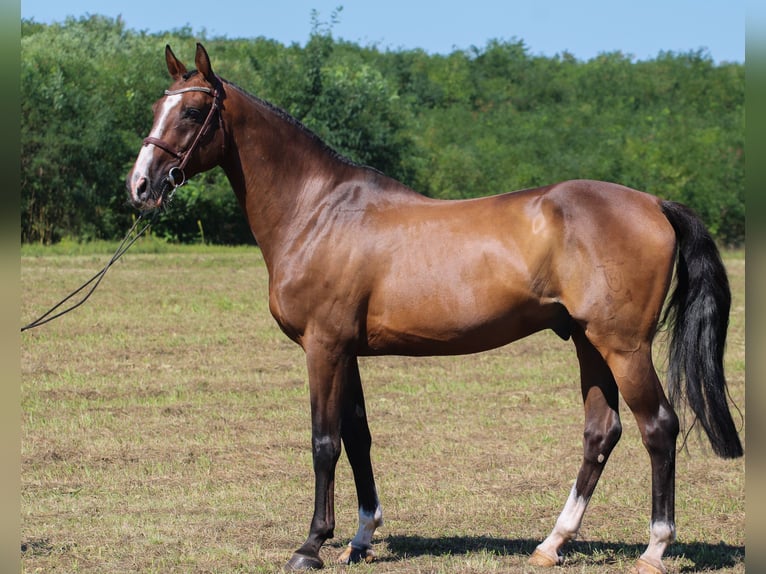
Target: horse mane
x,y
293,121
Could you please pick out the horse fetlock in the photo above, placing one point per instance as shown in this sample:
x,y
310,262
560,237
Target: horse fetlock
x,y
353,555
368,523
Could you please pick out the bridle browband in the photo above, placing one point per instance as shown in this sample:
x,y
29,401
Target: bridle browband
x,y
176,176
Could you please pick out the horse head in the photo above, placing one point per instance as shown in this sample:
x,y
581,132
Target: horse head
x,y
187,136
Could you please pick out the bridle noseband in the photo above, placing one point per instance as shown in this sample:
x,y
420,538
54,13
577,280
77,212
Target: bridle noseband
x,y
176,176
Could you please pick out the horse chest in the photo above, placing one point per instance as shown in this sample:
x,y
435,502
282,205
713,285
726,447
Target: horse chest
x,y
316,303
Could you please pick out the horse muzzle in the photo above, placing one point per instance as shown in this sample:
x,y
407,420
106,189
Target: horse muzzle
x,y
146,197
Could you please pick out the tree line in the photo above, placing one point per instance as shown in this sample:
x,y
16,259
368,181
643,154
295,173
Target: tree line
x,y
474,122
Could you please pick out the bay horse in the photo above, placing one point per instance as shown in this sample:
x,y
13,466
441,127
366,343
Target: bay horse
x,y
361,265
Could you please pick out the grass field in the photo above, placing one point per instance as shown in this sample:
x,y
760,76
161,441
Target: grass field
x,y
166,429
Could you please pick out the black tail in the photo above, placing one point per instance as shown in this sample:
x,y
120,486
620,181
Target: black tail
x,y
698,315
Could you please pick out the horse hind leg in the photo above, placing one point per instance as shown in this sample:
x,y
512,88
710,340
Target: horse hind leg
x,y
658,424
601,434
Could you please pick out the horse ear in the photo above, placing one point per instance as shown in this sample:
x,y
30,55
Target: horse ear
x,y
202,61
175,67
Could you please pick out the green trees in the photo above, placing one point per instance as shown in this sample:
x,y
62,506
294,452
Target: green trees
x,y
474,122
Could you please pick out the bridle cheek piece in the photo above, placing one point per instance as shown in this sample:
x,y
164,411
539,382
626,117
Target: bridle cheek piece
x,y
176,176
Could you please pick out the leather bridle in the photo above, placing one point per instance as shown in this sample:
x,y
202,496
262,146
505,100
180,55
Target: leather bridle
x,y
176,176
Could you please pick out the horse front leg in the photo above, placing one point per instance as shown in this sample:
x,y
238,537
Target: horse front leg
x,y
327,374
357,440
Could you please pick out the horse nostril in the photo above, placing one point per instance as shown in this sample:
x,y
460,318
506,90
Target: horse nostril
x,y
141,188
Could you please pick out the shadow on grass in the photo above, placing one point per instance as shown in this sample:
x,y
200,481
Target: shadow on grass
x,y
703,555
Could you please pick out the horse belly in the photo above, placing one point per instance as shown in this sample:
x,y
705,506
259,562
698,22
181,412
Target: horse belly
x,y
456,323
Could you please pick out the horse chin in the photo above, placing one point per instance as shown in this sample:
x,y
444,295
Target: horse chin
x,y
148,204
153,204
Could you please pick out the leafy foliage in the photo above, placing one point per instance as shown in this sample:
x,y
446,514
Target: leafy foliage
x,y
473,122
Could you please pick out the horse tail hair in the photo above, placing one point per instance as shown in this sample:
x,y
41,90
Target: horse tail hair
x,y
697,315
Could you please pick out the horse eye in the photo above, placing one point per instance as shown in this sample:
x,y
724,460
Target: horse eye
x,y
192,114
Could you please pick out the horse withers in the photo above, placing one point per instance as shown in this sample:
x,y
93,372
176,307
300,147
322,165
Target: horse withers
x,y
361,265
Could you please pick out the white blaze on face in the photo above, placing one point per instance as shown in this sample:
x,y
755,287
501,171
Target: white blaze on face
x,y
143,163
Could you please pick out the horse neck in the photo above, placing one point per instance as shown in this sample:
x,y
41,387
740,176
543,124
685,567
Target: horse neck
x,y
278,170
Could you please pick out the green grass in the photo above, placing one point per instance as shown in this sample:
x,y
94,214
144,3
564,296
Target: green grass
x,y
166,429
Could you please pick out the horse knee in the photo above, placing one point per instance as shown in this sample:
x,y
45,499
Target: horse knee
x,y
326,451
599,440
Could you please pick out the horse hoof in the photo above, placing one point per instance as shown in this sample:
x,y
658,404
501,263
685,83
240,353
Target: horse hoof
x,y
353,555
540,558
645,567
300,562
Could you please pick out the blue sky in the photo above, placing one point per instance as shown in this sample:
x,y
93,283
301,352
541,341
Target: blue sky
x,y
638,28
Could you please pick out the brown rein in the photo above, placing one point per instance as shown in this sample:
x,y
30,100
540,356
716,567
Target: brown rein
x,y
176,175
124,246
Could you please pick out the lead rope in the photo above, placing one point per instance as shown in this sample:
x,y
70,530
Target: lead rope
x,y
124,246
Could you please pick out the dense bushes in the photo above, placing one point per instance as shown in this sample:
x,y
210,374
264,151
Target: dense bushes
x,y
473,122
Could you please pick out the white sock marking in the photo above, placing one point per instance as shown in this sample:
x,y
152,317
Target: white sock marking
x,y
661,534
368,522
567,524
